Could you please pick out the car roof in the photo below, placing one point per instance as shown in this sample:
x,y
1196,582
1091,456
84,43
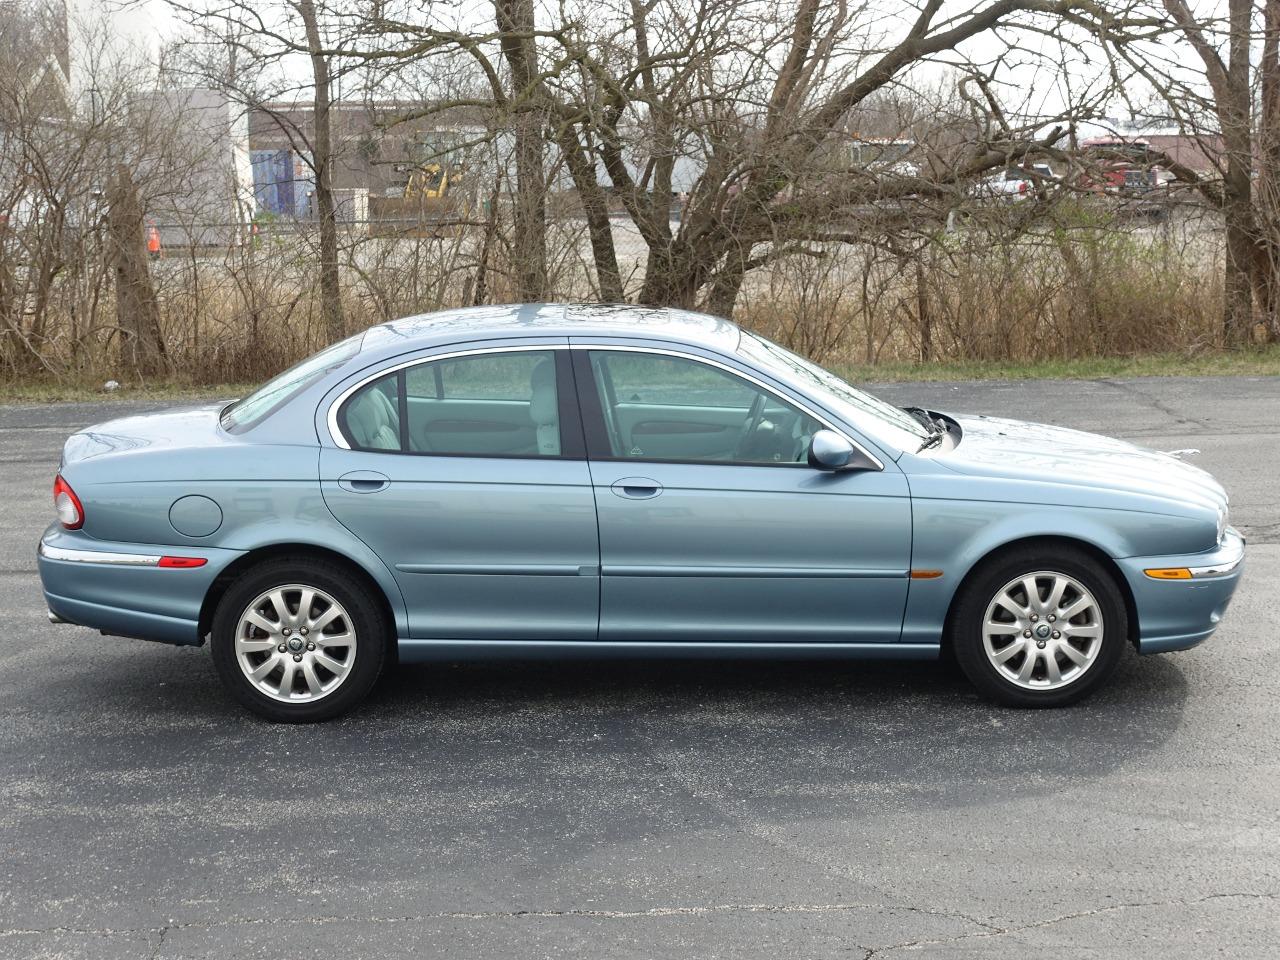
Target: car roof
x,y
555,319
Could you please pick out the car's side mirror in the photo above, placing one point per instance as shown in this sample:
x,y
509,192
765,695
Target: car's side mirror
x,y
829,451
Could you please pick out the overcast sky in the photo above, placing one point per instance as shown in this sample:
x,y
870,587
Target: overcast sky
x,y
1024,83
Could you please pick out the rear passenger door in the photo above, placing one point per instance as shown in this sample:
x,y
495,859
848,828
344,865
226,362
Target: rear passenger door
x,y
466,474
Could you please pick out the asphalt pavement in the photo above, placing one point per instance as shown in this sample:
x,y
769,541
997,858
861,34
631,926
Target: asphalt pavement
x,y
655,809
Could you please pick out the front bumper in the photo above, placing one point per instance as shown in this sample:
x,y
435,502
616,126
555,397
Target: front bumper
x,y
120,589
1174,614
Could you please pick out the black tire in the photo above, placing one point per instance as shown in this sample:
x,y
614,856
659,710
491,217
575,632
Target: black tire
x,y
373,635
969,612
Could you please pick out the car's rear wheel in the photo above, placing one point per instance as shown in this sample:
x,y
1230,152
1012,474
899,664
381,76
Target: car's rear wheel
x,y
1039,628
297,640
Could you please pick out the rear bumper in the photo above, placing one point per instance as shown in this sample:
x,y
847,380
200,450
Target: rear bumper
x,y
1178,614
119,589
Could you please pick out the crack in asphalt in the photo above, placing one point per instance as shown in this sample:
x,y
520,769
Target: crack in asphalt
x,y
164,932
1063,918
990,930
1150,400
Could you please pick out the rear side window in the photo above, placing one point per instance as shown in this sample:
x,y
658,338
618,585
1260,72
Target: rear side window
x,y
502,376
489,405
371,418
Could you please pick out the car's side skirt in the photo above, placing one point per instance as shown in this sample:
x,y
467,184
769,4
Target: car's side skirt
x,y
421,651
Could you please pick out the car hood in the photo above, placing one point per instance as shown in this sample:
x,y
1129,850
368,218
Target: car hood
x,y
991,446
183,427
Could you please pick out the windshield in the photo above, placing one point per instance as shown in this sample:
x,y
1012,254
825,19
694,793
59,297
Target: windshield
x,y
269,397
882,420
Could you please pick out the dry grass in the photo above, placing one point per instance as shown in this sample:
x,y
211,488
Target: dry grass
x,y
971,297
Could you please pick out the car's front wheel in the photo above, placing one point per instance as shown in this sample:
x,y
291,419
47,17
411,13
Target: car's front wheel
x,y
297,640
1039,628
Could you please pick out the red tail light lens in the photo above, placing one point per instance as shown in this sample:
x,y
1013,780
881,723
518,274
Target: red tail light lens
x,y
65,501
182,563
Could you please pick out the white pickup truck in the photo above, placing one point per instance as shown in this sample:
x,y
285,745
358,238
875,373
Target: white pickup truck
x,y
1014,183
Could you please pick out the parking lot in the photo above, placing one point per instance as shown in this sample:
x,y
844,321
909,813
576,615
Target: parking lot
x,y
655,809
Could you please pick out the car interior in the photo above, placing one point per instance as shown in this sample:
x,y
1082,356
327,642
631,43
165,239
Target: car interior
x,y
654,407
503,405
671,408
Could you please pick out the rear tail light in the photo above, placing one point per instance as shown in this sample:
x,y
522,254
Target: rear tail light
x,y
65,501
1022,186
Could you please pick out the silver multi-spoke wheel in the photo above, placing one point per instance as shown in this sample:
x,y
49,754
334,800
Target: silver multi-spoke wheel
x,y
1043,630
295,643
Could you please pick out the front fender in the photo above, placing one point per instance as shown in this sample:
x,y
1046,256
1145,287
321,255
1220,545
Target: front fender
x,y
954,535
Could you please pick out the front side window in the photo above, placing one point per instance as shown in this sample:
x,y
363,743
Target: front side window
x,y
501,404
658,407
867,413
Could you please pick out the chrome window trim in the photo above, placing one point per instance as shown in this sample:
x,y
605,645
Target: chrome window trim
x,y
331,416
767,388
335,432
50,552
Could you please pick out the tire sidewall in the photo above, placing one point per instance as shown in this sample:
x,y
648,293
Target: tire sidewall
x,y
970,614
372,634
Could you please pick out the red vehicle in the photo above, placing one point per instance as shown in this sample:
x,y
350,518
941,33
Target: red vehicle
x,y
1117,166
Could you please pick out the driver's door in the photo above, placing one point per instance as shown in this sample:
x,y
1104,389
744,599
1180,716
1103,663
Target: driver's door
x,y
713,528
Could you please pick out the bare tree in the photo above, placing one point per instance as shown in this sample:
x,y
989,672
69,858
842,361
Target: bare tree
x,y
1229,81
759,103
330,284
516,30
137,313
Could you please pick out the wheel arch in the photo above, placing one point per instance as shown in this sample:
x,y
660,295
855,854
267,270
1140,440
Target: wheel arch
x,y
217,590
1045,542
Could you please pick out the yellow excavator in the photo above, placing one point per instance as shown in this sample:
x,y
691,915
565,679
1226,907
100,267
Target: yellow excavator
x,y
431,182
432,202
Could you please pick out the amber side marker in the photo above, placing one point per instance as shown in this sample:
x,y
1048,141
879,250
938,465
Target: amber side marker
x,y
925,574
1169,573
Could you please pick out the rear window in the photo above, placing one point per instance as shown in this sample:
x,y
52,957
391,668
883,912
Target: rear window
x,y
272,395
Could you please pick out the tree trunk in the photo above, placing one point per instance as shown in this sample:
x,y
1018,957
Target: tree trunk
x,y
322,162
137,312
1267,197
596,210
726,286
515,19
924,316
1238,211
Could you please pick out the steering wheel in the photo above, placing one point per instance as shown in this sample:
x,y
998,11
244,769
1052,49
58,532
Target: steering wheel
x,y
754,416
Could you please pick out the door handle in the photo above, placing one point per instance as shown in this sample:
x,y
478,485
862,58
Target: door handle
x,y
636,488
364,481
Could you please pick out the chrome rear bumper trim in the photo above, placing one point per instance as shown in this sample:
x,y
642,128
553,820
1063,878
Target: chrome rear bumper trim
x,y
98,556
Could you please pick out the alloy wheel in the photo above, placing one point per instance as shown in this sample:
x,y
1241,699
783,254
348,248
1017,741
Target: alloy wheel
x,y
1042,630
295,643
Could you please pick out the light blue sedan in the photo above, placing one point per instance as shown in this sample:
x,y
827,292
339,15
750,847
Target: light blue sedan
x,y
553,481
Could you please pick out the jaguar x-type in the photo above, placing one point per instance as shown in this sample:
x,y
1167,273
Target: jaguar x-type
x,y
551,481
